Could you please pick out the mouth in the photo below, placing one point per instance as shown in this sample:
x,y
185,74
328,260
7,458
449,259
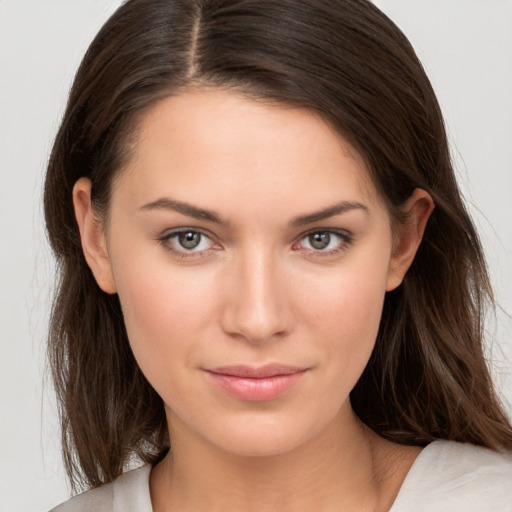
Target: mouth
x,y
256,383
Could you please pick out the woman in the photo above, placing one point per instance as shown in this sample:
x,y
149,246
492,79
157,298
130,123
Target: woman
x,y
269,283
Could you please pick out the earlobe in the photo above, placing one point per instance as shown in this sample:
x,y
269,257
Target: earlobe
x,y
417,209
92,236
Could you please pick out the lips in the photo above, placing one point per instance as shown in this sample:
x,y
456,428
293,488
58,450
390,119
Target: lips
x,y
256,384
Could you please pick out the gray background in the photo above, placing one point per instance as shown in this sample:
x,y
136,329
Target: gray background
x,y
466,47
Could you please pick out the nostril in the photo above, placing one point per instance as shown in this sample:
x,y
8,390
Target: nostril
x,y
256,322
255,332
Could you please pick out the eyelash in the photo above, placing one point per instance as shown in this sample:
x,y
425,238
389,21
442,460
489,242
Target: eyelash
x,y
182,254
345,237
345,241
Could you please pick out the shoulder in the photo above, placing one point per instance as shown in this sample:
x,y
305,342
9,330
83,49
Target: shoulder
x,y
450,476
129,492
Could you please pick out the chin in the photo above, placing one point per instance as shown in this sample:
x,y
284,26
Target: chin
x,y
262,437
261,445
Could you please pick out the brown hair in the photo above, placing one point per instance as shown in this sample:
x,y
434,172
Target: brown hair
x,y
427,377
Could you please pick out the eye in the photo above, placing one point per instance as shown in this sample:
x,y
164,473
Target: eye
x,y
325,241
189,239
187,243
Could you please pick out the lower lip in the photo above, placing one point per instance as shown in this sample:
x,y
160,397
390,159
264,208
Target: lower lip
x,y
256,390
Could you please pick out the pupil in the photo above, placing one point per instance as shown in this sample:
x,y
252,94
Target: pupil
x,y
189,240
320,240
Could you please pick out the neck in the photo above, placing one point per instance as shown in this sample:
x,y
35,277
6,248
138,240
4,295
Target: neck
x,y
340,469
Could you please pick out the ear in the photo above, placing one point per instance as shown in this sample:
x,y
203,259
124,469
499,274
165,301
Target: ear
x,y
408,236
92,236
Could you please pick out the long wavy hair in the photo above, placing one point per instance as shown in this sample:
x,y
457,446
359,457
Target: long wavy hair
x,y
344,59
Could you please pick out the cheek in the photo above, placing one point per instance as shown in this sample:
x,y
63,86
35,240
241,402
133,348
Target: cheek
x,y
353,295
345,317
165,313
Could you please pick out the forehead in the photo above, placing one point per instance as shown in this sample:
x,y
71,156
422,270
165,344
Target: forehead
x,y
218,146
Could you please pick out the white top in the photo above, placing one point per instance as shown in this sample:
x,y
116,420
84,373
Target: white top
x,y
446,477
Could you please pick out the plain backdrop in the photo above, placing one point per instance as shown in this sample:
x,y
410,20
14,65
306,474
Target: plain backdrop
x,y
466,47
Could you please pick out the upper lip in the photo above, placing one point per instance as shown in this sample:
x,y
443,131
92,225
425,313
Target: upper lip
x,y
256,372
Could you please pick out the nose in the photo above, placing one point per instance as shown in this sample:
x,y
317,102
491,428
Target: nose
x,y
256,306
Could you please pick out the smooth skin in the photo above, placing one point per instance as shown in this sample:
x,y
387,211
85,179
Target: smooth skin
x,y
254,277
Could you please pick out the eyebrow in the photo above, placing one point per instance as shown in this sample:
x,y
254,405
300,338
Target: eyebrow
x,y
187,209
330,211
195,212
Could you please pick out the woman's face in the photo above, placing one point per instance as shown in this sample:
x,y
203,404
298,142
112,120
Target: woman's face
x,y
251,254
